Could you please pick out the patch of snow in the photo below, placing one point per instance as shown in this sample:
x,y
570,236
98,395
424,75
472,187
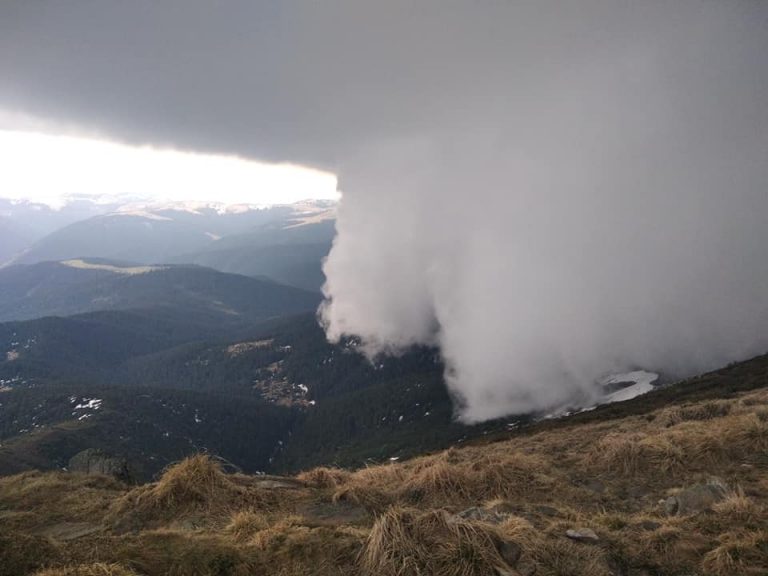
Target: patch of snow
x,y
642,384
89,404
127,270
128,211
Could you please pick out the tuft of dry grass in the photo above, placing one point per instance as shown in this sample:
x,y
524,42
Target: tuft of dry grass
x,y
267,537
695,412
752,435
454,479
182,553
672,548
245,524
97,569
373,487
739,553
293,547
737,509
560,557
194,486
406,541
197,480
324,477
632,454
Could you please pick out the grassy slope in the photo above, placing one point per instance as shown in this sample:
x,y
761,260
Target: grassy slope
x,y
605,470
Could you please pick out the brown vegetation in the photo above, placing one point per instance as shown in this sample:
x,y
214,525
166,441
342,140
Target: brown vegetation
x,y
502,508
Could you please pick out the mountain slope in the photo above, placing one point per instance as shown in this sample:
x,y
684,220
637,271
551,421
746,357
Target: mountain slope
x,y
289,254
286,243
78,286
14,237
147,427
674,483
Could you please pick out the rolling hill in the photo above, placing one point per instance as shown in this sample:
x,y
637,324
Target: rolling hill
x,y
79,286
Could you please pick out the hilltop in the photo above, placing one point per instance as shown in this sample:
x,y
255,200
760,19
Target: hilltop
x,y
670,483
80,285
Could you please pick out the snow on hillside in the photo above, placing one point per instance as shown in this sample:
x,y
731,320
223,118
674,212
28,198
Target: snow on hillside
x,y
127,270
616,388
641,382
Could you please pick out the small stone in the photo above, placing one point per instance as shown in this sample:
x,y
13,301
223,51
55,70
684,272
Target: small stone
x,y
649,525
582,535
548,511
594,485
482,515
671,505
510,552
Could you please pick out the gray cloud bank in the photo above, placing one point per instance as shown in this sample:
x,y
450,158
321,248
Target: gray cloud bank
x,y
549,191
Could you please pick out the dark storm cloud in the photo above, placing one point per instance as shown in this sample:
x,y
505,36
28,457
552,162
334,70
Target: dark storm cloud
x,y
547,190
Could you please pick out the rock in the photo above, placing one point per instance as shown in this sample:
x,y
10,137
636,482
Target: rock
x,y
697,498
477,514
510,552
594,485
94,461
582,535
65,531
548,511
671,505
649,525
334,513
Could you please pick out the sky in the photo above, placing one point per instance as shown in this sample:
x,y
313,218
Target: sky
x,y
548,191
56,169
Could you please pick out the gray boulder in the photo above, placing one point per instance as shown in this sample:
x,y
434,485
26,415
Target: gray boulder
x,y
95,461
582,535
696,498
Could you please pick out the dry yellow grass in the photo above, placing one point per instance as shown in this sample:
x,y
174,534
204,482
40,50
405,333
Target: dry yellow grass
x,y
372,487
97,569
739,553
324,477
525,492
196,485
737,509
696,412
55,495
277,531
245,524
194,481
22,553
631,454
405,541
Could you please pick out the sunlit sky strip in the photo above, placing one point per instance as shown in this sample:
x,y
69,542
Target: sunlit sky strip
x,y
51,169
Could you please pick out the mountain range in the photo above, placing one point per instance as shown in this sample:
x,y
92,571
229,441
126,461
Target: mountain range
x,y
285,243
